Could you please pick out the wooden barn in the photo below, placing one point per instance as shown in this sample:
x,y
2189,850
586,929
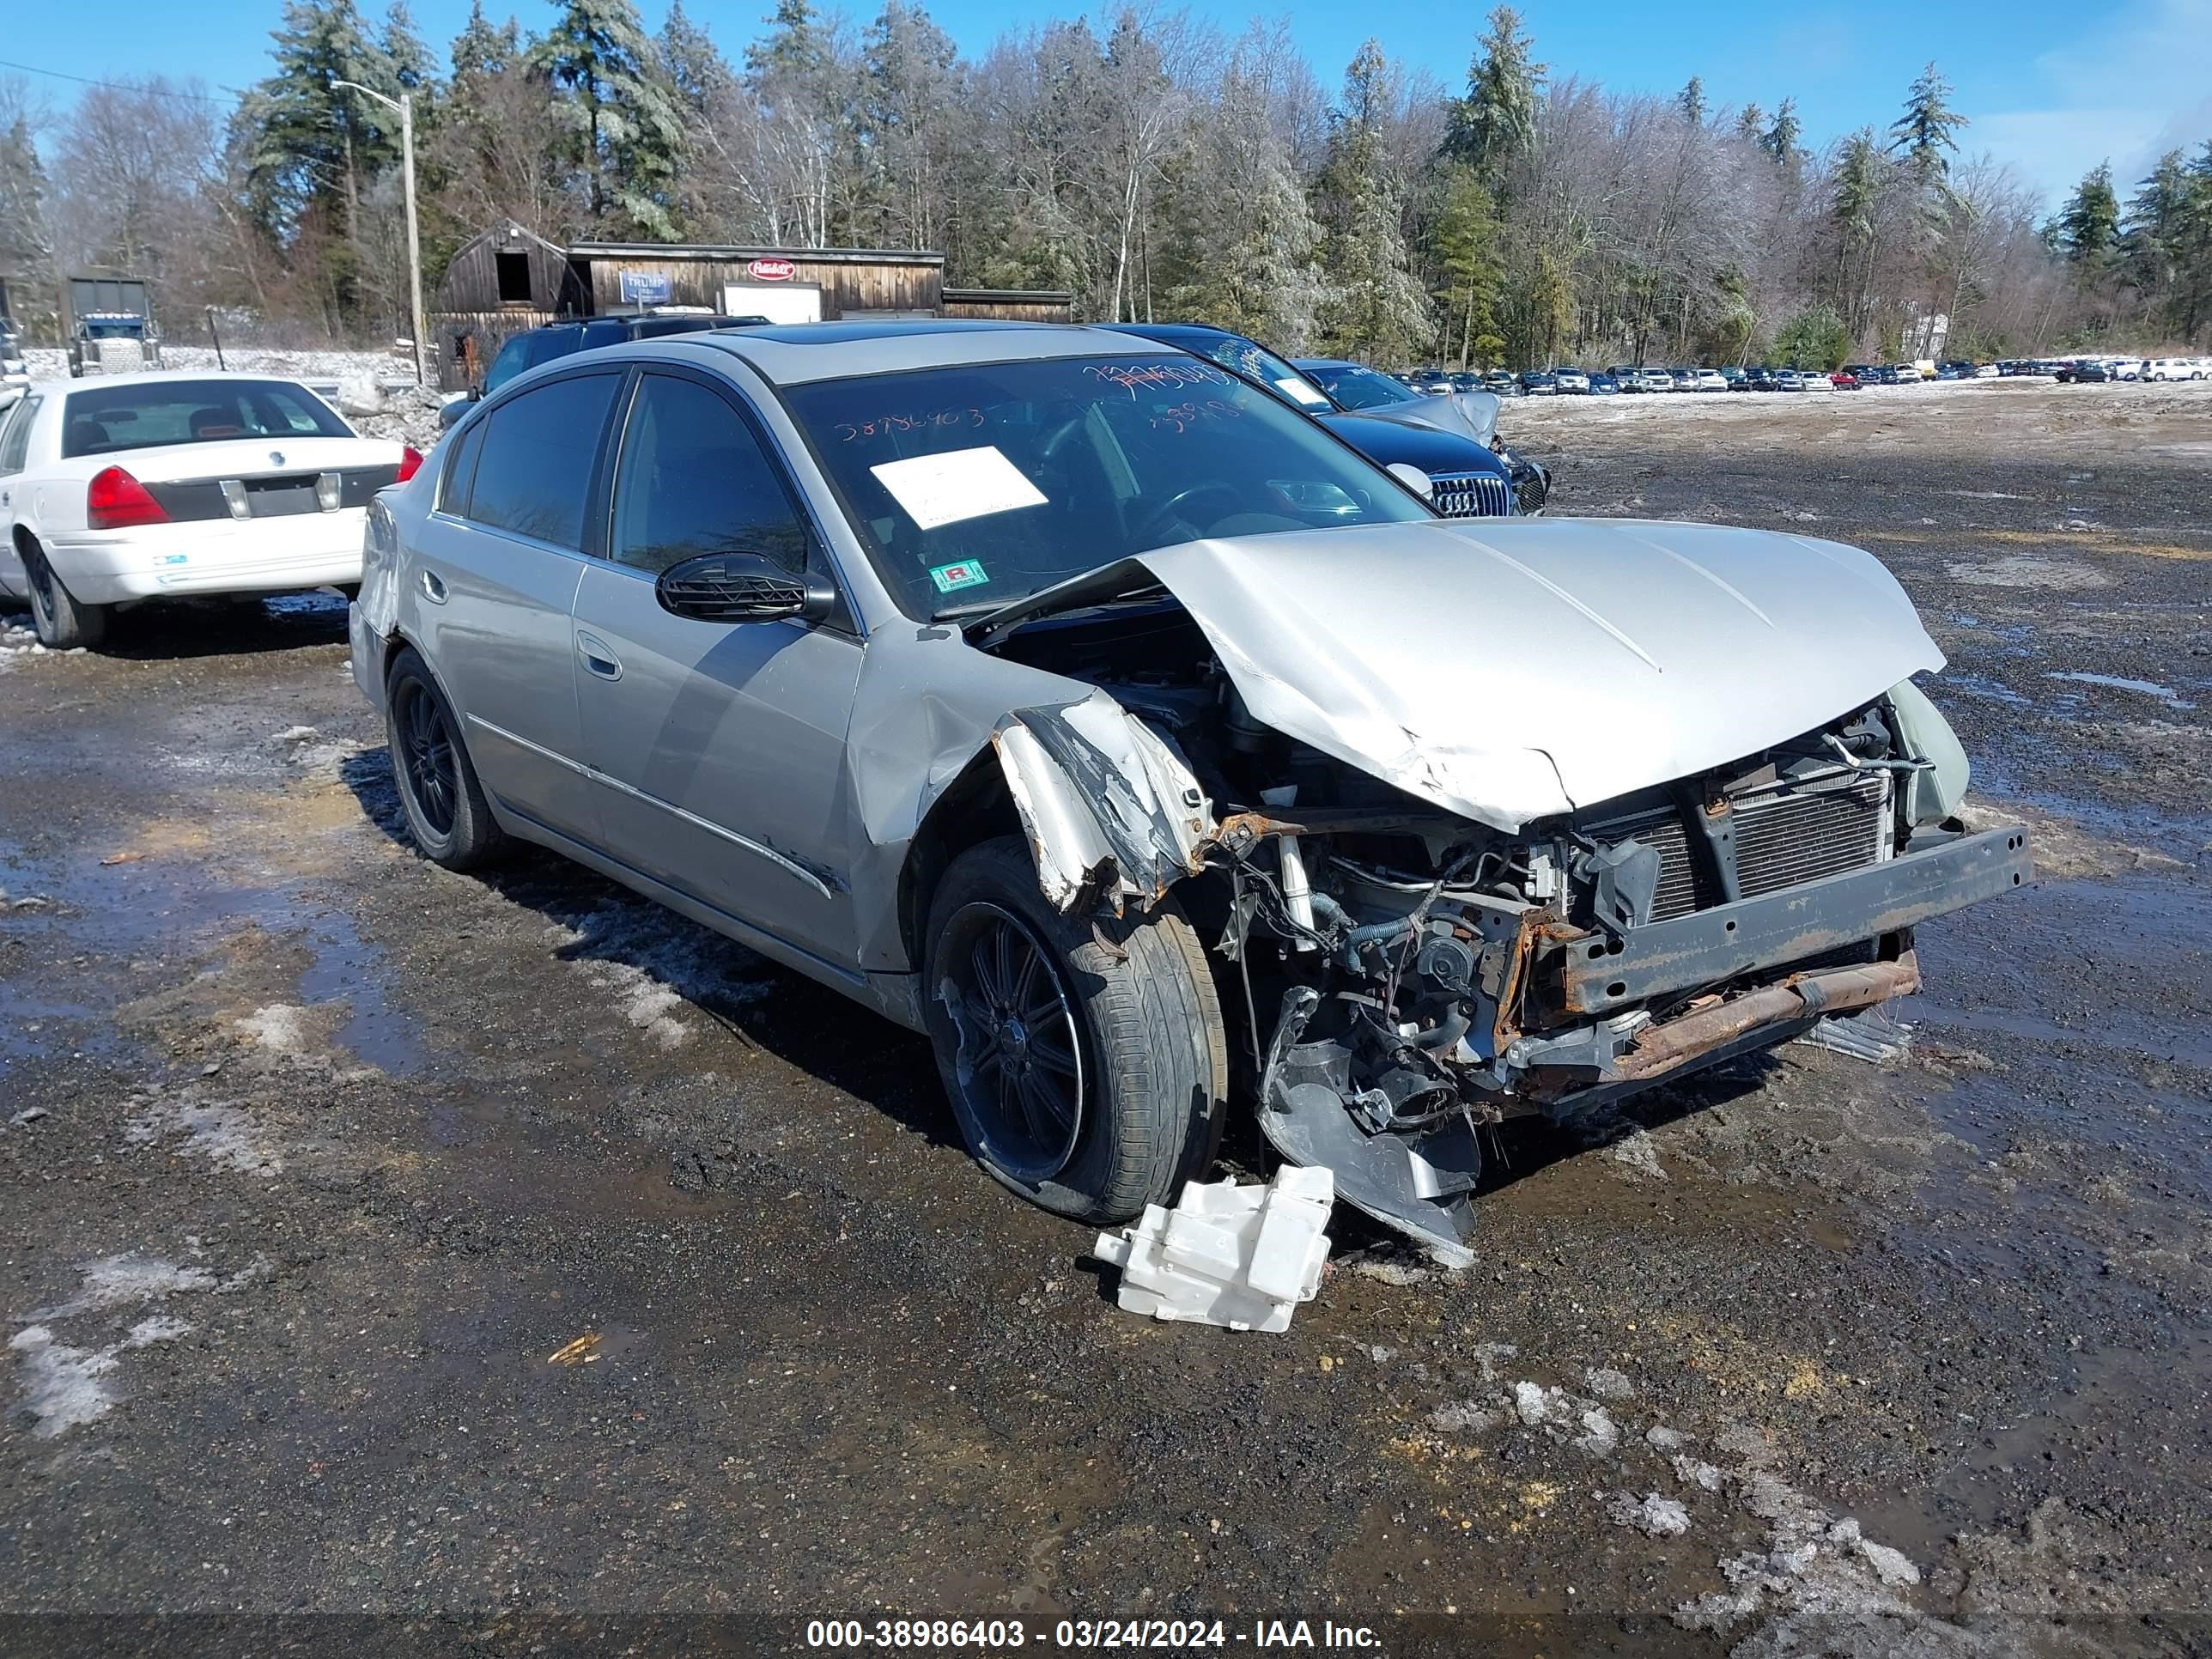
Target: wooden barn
x,y
508,279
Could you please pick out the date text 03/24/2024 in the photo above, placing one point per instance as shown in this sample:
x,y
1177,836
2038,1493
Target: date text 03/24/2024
x,y
1086,1634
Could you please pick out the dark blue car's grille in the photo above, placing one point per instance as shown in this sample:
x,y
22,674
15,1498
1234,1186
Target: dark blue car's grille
x,y
1472,495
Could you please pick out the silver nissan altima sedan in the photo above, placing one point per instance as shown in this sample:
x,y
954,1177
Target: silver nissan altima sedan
x,y
1068,699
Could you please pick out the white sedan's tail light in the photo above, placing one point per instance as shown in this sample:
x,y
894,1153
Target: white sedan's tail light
x,y
116,500
411,462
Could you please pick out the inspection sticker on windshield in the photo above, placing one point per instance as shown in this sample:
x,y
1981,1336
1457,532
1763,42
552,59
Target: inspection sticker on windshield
x,y
960,483
950,578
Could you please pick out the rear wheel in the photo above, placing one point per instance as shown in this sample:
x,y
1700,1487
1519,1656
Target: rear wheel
x,y
447,813
1086,1065
63,621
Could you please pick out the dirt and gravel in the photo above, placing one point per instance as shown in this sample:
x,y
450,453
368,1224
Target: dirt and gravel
x,y
514,1267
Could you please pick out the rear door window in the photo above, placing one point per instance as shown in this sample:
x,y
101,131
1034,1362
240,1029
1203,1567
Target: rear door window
x,y
15,435
533,473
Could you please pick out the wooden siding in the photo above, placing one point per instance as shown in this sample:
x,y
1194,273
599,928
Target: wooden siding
x,y
471,283
1009,304
465,342
849,285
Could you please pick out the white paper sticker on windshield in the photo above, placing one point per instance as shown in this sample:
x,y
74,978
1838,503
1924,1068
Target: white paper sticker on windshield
x,y
961,483
1298,389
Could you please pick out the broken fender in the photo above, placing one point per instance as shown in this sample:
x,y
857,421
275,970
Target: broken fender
x,y
1110,811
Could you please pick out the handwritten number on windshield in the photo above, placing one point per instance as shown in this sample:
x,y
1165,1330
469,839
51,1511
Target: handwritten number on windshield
x,y
884,426
1181,417
1158,377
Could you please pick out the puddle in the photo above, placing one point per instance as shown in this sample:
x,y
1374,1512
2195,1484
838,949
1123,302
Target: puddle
x,y
2122,967
126,929
1981,685
348,968
2165,695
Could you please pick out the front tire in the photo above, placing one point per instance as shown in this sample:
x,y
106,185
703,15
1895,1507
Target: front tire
x,y
446,812
63,621
1086,1065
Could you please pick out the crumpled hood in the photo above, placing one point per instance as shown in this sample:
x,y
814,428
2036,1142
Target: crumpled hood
x,y
1508,669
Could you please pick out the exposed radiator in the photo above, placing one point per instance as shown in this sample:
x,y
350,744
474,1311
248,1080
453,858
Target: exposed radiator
x,y
1784,833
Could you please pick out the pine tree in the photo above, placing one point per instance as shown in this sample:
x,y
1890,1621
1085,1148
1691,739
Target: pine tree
x,y
1495,123
481,51
1781,136
2088,228
1376,308
1924,131
1251,235
1851,209
2151,238
412,67
626,135
1691,100
26,251
316,142
691,62
1466,237
909,79
1751,125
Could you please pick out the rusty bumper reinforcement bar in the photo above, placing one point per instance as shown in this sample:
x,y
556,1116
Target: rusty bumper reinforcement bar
x,y
1600,976
1661,1048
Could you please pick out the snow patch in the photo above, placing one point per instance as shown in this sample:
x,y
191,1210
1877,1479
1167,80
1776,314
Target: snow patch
x,y
1607,1383
281,1027
117,1281
226,1135
1637,1151
1661,1517
651,963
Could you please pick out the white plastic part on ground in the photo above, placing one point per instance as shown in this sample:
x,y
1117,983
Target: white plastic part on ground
x,y
1239,1257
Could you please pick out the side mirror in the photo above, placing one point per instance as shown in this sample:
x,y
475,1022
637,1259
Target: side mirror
x,y
476,394
1414,479
742,587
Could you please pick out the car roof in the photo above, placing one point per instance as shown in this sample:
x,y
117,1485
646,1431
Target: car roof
x,y
794,354
1176,331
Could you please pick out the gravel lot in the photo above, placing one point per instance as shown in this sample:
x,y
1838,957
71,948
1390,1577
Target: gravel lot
x,y
486,1254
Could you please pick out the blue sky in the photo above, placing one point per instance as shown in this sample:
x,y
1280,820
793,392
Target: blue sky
x,y
2053,86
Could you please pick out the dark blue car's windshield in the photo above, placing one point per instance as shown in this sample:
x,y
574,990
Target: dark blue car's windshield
x,y
1354,388
976,485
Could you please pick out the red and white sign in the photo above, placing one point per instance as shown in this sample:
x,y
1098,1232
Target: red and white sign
x,y
771,270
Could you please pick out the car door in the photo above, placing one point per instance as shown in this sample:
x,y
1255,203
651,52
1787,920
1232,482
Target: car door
x,y
495,578
720,747
14,448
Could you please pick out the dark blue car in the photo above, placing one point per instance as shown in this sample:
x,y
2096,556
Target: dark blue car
x,y
1468,480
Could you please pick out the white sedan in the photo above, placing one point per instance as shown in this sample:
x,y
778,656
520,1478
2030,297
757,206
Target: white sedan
x,y
164,486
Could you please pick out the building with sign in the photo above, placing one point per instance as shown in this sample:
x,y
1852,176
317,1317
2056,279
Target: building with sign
x,y
508,278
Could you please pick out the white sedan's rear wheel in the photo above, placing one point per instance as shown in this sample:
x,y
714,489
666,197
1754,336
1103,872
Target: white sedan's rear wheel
x,y
63,621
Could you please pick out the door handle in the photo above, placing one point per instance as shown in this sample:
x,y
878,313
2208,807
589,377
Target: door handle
x,y
434,589
596,658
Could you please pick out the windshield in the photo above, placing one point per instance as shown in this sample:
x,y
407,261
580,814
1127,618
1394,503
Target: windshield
x,y
154,414
977,485
1354,388
1255,363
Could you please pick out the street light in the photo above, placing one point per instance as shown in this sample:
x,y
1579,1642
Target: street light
x,y
405,105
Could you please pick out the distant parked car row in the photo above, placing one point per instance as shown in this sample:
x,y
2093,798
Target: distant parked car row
x,y
1634,377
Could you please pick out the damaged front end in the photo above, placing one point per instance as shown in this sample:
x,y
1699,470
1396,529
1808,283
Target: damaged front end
x,y
1408,975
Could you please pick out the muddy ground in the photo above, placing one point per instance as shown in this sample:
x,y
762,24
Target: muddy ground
x,y
475,1254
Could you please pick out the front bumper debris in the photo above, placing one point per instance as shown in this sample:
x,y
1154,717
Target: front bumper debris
x,y
1594,976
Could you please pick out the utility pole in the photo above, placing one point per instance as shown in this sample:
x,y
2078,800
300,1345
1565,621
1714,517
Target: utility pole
x,y
405,105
